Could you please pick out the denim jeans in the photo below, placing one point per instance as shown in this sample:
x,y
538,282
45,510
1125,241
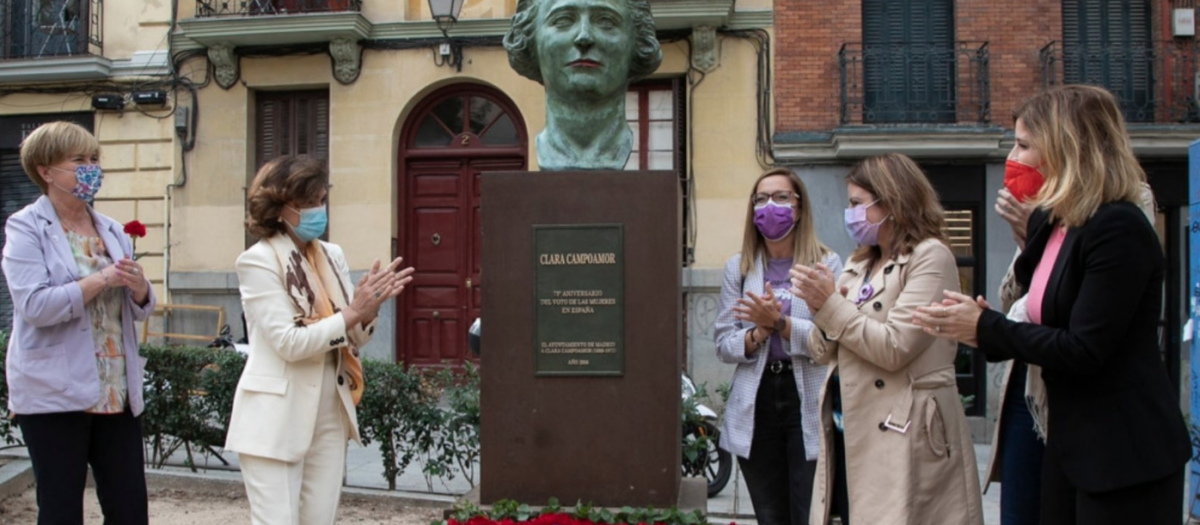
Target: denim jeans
x,y
778,474
1020,457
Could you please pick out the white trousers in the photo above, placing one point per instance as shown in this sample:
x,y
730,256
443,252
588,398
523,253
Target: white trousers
x,y
304,492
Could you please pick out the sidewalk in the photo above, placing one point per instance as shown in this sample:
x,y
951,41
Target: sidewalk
x,y
364,470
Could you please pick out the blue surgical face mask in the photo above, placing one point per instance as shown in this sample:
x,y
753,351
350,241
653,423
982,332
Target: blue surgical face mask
x,y
88,178
312,223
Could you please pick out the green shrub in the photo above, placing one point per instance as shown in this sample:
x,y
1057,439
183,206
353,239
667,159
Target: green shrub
x,y
189,395
411,413
7,425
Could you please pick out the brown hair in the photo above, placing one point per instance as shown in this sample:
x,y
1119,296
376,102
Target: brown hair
x,y
1086,155
900,185
278,182
807,249
52,143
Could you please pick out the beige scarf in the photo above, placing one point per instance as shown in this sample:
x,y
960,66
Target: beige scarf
x,y
308,290
1012,300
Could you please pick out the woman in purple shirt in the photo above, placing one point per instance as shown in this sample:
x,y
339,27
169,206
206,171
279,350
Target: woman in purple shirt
x,y
770,420
73,370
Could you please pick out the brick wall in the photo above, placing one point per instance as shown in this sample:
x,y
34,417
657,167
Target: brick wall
x,y
808,34
1016,31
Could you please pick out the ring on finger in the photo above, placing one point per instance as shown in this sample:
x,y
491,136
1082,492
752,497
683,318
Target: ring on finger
x,y
938,329
376,294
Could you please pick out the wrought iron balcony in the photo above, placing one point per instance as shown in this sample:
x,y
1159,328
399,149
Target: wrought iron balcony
x,y
50,28
210,8
1153,81
913,83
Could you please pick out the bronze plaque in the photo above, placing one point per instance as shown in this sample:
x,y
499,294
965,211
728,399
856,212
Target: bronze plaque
x,y
579,309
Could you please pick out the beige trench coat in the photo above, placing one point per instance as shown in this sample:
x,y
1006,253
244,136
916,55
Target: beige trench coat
x,y
909,456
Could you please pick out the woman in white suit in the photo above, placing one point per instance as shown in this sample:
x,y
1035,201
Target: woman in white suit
x,y
294,408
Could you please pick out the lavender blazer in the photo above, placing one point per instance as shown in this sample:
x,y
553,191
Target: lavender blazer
x,y
737,426
51,361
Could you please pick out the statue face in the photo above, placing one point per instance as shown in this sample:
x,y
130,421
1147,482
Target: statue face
x,y
584,47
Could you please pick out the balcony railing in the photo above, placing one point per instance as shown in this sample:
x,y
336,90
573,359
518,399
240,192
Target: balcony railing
x,y
50,28
912,83
210,8
1153,81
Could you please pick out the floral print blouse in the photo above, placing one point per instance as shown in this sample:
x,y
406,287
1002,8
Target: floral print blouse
x,y
105,311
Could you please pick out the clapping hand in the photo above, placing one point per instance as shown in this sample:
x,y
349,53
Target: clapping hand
x,y
762,310
377,286
813,285
955,318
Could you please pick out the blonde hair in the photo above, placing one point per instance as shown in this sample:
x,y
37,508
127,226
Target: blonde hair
x,y
806,248
1087,159
52,143
899,185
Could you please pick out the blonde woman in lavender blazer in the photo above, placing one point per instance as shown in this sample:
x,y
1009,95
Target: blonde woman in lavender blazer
x,y
73,370
770,420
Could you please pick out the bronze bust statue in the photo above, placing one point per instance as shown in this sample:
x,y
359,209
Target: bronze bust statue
x,y
585,53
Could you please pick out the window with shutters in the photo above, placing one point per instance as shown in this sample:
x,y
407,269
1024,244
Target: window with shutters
x,y
290,123
656,112
908,59
1107,43
16,190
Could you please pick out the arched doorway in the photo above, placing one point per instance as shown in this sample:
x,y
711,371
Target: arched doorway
x,y
451,137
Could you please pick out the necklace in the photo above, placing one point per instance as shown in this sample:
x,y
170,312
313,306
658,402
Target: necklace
x,y
76,228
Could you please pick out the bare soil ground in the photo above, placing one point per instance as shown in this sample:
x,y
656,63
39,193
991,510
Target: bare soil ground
x,y
174,506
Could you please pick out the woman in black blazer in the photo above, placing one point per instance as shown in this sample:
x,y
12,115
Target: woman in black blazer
x,y
1093,268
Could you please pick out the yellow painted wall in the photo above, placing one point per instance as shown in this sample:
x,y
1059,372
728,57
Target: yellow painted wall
x,y
137,150
419,9
140,25
137,155
366,121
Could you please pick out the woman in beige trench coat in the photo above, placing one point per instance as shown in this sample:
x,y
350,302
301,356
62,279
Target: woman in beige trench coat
x,y
908,456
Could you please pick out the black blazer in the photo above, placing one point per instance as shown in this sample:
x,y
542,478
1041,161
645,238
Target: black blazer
x,y
1114,420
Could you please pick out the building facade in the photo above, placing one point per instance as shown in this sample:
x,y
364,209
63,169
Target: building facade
x,y
60,60
938,80
406,116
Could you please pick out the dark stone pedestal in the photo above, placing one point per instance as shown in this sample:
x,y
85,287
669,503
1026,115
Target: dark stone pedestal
x,y
693,495
581,338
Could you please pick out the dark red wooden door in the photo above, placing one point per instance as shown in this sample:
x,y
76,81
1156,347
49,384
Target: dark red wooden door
x,y
452,137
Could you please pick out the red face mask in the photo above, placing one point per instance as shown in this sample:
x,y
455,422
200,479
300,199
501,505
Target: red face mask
x,y
1021,180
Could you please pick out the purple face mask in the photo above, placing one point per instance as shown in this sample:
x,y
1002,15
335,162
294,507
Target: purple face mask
x,y
863,231
774,221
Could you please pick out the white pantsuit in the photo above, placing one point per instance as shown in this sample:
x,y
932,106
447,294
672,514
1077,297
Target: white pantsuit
x,y
292,412
310,482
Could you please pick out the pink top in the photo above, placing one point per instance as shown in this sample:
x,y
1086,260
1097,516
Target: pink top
x,y
1041,275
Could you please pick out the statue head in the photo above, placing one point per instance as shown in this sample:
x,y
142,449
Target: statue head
x,y
583,48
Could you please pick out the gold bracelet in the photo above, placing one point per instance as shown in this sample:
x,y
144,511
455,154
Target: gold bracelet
x,y
106,286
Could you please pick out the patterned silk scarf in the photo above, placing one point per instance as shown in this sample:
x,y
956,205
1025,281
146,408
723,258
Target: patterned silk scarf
x,y
308,290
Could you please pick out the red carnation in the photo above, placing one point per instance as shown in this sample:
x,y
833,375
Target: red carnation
x,y
135,229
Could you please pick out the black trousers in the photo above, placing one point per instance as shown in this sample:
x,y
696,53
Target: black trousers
x,y
62,445
779,476
1151,503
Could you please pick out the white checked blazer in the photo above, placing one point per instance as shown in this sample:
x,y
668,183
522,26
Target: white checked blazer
x,y
737,428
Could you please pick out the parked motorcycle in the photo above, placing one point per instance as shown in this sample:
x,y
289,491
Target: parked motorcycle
x,y
711,461
699,428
